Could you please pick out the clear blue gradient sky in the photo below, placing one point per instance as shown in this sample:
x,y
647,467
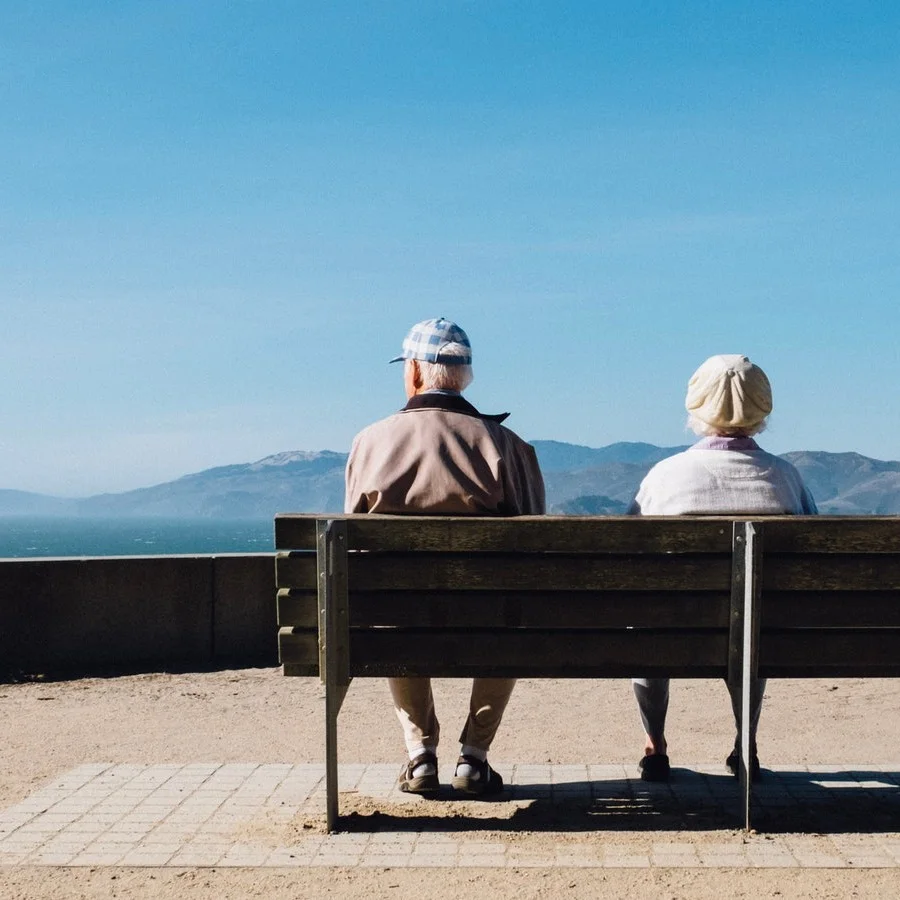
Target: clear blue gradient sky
x,y
219,219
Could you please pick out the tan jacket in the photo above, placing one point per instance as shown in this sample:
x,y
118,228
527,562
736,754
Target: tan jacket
x,y
440,456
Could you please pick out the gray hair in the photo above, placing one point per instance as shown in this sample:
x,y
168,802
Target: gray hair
x,y
704,429
447,377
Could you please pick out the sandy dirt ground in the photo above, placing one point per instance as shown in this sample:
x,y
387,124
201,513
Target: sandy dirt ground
x,y
256,715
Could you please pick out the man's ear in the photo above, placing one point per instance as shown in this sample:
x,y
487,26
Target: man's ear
x,y
417,379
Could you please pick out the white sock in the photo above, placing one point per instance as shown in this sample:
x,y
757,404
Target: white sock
x,y
423,769
464,770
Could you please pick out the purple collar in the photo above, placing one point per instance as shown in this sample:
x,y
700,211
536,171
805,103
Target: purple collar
x,y
740,444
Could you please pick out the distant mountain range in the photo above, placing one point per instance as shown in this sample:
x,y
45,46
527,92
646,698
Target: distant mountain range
x,y
580,481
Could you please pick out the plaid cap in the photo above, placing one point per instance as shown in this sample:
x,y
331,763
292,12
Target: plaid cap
x,y
427,339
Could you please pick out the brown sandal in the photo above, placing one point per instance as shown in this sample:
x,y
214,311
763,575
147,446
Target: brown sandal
x,y
487,783
422,784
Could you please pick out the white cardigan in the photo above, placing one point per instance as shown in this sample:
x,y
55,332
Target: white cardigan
x,y
703,481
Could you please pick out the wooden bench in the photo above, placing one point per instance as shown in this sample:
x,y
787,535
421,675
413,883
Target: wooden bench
x,y
598,597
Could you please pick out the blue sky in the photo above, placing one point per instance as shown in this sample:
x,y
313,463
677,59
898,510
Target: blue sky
x,y
218,219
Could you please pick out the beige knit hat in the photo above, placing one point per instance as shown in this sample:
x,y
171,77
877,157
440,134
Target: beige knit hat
x,y
729,392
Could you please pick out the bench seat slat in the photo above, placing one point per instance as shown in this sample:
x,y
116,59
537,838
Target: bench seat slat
x,y
832,534
297,607
812,534
530,609
539,533
511,572
540,571
296,570
298,651
859,572
520,652
530,654
829,609
563,609
838,652
624,534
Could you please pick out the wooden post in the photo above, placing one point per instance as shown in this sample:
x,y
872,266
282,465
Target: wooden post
x,y
334,645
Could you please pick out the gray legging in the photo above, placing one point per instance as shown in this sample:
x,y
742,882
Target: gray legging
x,y
653,702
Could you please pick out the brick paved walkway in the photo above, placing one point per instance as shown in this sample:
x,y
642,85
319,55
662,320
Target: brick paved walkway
x,y
269,815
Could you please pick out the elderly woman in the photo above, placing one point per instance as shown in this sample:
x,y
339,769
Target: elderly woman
x,y
724,473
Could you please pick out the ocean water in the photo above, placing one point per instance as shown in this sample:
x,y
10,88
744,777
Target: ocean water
x,y
27,536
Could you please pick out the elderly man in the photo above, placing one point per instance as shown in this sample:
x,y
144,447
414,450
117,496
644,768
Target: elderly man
x,y
724,473
440,456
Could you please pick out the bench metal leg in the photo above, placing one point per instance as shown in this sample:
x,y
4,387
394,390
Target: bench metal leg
x,y
334,646
742,651
333,700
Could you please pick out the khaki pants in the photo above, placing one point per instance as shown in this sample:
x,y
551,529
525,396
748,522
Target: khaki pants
x,y
414,705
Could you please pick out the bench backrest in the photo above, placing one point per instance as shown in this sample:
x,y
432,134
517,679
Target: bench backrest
x,y
591,597
530,596
830,597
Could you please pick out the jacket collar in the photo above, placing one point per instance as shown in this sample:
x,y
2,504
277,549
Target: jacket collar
x,y
449,403
739,444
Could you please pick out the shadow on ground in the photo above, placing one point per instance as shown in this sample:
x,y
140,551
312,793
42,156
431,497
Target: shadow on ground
x,y
783,802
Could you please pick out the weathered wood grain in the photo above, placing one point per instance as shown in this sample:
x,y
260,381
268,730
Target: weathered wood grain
x,y
596,534
297,608
811,534
831,572
290,670
838,652
525,653
830,609
296,570
298,651
526,609
537,571
296,531
428,571
832,534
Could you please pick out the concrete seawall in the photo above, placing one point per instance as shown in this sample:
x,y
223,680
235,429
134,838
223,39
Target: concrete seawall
x,y
137,613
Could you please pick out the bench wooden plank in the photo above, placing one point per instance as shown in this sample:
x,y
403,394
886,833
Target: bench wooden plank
x,y
296,531
531,609
832,534
537,571
611,609
532,534
296,570
811,572
829,609
811,534
298,650
625,534
297,607
486,571
833,652
525,653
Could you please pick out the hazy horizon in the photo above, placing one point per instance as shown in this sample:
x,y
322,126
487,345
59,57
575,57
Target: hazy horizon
x,y
344,453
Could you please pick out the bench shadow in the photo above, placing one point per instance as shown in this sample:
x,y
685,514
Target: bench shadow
x,y
815,803
849,801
